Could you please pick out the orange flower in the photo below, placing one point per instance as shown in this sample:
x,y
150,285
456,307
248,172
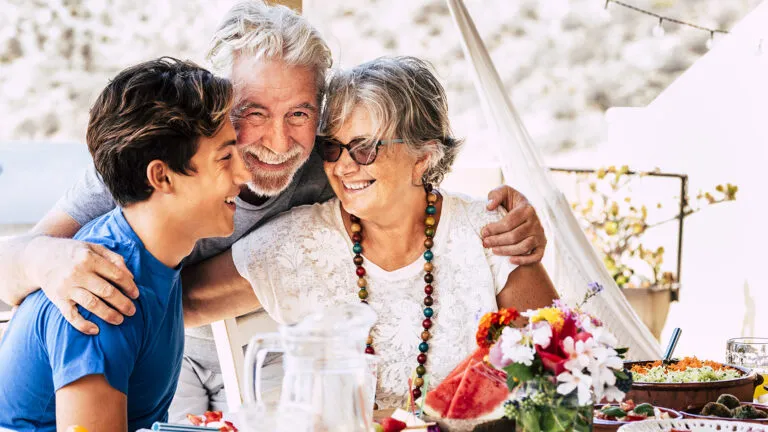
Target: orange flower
x,y
482,330
506,316
491,324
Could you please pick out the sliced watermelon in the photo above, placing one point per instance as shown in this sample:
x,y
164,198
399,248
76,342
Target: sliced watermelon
x,y
476,356
482,392
438,402
473,390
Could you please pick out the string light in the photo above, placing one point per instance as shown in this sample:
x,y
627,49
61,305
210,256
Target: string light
x,y
711,41
659,31
660,28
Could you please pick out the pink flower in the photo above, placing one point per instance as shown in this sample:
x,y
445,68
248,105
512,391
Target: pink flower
x,y
496,357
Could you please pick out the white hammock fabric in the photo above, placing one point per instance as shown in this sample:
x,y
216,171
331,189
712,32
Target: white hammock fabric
x,y
571,261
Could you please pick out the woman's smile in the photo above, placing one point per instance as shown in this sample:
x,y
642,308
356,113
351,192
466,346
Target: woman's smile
x,y
355,186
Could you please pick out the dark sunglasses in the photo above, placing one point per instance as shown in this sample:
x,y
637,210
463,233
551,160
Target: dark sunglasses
x,y
361,150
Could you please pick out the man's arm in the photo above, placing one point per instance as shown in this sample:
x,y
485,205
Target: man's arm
x,y
16,283
518,235
92,403
69,271
213,290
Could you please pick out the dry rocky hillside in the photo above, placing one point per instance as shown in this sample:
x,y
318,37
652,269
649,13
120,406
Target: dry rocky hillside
x,y
565,61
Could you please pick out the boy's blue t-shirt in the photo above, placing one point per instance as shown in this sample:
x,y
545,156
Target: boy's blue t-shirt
x,y
41,352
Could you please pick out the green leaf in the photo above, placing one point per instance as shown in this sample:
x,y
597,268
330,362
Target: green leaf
x,y
558,419
517,373
644,409
621,351
620,374
614,412
530,420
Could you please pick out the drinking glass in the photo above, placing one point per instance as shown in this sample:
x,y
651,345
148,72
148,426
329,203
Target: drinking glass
x,y
371,379
751,352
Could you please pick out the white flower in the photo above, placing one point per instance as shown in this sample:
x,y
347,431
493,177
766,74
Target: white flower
x,y
601,334
612,393
575,380
580,353
512,348
541,332
602,367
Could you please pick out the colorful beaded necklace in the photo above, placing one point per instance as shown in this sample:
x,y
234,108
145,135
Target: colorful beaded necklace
x,y
429,231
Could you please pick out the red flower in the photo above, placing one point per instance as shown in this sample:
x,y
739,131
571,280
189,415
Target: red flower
x,y
553,358
550,361
583,336
569,329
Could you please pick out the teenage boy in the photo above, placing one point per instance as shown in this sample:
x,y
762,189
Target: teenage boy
x,y
162,141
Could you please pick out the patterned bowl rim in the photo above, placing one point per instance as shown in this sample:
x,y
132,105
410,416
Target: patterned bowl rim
x,y
715,425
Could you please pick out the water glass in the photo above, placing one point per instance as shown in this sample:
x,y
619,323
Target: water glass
x,y
371,380
751,352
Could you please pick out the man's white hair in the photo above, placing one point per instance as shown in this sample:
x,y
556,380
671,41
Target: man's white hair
x,y
270,32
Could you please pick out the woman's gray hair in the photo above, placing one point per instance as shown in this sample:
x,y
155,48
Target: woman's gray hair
x,y
404,100
270,32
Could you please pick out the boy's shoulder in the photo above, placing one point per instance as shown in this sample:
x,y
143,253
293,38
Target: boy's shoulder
x,y
109,228
112,231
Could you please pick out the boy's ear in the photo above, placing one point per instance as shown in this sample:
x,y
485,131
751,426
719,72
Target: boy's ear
x,y
159,176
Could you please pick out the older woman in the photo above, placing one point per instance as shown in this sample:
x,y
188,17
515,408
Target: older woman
x,y
391,238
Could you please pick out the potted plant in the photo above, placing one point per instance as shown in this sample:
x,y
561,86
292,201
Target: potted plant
x,y
616,222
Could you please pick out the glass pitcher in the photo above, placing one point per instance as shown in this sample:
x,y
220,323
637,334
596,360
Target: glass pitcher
x,y
324,387
751,352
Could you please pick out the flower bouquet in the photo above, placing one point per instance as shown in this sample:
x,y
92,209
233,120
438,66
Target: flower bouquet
x,y
558,365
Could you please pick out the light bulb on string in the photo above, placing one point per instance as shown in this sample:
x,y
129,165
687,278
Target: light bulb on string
x,y
711,41
658,31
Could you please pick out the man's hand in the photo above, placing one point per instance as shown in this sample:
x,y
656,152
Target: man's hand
x,y
72,272
519,235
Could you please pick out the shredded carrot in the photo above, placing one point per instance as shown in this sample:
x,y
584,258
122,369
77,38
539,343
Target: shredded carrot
x,y
684,364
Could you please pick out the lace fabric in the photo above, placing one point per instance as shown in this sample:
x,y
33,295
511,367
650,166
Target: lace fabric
x,y
294,270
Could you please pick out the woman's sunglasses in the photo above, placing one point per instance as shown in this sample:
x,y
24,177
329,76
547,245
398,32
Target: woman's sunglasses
x,y
361,150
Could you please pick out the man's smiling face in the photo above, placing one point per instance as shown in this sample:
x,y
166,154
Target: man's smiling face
x,y
275,116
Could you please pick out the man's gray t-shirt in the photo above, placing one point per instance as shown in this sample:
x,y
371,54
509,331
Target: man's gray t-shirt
x,y
89,199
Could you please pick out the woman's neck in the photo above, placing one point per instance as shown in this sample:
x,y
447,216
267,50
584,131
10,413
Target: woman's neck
x,y
396,239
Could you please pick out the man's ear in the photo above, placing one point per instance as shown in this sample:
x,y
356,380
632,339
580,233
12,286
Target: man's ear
x,y
160,176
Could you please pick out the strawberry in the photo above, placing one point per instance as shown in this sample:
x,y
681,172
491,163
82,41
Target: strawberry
x,y
391,425
212,416
195,420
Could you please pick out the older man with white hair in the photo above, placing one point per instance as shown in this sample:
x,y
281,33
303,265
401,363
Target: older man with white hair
x,y
278,64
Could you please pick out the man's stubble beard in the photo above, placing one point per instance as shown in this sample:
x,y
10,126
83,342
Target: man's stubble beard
x,y
271,184
268,183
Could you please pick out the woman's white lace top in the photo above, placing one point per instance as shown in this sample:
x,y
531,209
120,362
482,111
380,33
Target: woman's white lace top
x,y
302,261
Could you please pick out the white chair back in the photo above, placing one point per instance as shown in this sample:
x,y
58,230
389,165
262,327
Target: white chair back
x,y
231,337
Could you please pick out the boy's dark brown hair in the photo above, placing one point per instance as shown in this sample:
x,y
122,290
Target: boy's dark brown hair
x,y
156,110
